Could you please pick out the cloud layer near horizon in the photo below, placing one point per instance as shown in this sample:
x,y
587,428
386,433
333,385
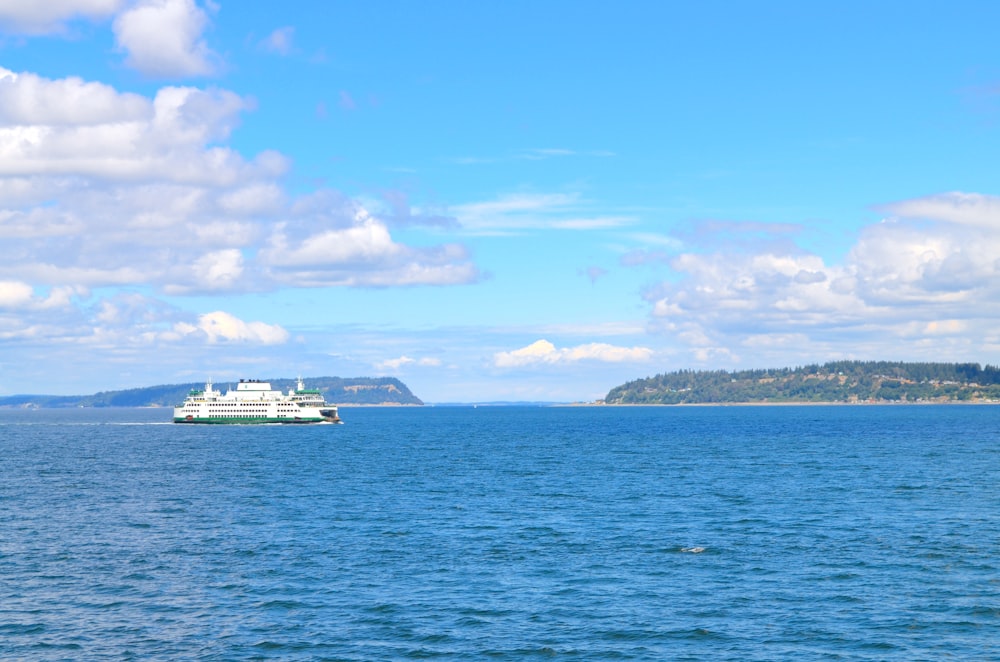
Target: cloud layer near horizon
x,y
927,274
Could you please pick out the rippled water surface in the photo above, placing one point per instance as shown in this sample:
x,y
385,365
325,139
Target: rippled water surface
x,y
509,533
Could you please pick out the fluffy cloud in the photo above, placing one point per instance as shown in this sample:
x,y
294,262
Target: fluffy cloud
x,y
121,189
51,16
162,38
28,100
17,295
544,352
133,320
218,270
940,254
911,276
118,136
131,177
14,294
223,327
361,254
105,190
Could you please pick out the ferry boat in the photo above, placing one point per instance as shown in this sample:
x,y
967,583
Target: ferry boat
x,y
254,401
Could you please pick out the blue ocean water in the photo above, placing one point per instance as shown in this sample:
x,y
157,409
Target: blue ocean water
x,y
729,533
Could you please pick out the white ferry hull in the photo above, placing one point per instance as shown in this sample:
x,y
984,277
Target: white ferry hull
x,y
255,403
250,420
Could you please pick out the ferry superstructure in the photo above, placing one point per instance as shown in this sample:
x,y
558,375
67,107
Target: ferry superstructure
x,y
254,401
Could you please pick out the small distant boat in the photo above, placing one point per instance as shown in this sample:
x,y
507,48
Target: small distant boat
x,y
254,401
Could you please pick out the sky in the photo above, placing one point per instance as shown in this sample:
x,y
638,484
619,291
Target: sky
x,y
492,201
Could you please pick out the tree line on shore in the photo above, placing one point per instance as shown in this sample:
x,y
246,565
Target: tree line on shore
x,y
836,381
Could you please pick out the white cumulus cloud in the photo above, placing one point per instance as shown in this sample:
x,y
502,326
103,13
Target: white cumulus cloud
x,y
121,189
544,352
20,295
120,136
218,270
908,277
160,38
14,294
27,99
359,251
163,38
221,326
51,16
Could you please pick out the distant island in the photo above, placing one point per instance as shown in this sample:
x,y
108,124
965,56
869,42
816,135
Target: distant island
x,y
336,390
834,382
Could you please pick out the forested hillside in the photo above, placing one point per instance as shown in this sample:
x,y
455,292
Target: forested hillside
x,y
838,381
336,390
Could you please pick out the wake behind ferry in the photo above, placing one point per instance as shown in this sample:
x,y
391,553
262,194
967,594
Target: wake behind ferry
x,y
254,401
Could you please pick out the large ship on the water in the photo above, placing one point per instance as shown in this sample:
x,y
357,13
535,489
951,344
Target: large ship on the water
x,y
254,401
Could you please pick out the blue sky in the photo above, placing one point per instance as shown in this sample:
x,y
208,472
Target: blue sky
x,y
492,201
